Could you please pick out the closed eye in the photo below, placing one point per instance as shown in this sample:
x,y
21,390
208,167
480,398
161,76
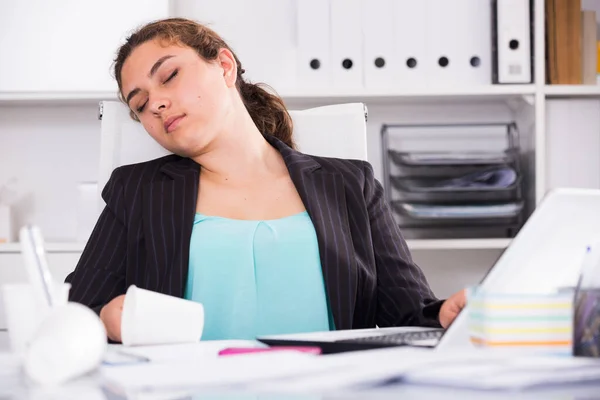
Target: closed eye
x,y
140,109
173,74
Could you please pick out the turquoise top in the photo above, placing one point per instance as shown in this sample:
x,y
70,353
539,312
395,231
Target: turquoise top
x,y
257,277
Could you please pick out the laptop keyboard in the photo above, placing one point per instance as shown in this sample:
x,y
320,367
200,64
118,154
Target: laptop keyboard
x,y
398,339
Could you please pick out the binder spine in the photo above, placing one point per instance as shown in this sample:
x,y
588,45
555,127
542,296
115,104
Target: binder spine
x,y
495,58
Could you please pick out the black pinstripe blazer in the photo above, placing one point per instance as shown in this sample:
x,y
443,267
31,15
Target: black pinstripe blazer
x,y
143,236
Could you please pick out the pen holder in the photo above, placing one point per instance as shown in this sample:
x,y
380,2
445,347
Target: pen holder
x,y
523,322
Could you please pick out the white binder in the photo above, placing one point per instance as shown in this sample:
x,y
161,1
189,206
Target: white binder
x,y
346,44
411,33
443,48
314,53
473,42
379,58
512,41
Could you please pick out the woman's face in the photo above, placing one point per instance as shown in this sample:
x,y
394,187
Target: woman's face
x,y
180,99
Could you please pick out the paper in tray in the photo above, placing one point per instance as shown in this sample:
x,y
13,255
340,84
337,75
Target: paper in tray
x,y
415,159
424,211
442,191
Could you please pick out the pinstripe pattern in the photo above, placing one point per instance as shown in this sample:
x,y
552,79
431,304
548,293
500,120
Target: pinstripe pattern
x,y
143,238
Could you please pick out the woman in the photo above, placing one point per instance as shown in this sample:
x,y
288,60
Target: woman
x,y
270,240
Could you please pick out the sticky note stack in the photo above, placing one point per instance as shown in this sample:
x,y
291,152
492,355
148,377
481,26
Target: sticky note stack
x,y
538,322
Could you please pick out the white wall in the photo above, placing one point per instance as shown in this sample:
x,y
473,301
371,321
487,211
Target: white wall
x,y
46,151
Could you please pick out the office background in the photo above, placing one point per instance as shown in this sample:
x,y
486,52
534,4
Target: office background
x,y
55,68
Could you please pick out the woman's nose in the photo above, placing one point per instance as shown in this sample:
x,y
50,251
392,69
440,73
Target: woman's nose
x,y
159,105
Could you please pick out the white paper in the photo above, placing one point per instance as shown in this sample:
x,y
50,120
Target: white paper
x,y
183,352
292,371
507,372
218,372
353,370
479,369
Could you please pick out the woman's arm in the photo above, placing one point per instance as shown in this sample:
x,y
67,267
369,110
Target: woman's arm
x,y
100,273
403,294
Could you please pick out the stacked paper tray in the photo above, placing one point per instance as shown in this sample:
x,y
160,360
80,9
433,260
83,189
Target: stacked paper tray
x,y
539,322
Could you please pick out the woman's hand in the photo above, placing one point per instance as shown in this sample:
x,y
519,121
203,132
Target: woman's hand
x,y
451,307
111,317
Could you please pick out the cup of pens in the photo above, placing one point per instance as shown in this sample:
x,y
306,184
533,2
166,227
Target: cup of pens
x,y
586,323
586,339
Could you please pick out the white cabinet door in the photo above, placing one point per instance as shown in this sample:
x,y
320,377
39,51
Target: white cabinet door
x,y
67,45
12,270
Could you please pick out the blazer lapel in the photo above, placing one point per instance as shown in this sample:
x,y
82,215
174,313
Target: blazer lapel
x,y
324,197
169,207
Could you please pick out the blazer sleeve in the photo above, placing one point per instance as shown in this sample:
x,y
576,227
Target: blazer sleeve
x,y
100,273
404,297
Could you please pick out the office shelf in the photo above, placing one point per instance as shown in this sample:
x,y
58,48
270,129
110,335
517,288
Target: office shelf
x,y
571,91
371,96
458,244
51,247
19,98
477,93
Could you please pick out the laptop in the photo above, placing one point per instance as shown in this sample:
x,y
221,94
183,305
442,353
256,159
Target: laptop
x,y
545,256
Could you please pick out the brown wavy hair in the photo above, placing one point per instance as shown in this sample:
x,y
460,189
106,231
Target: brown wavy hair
x,y
266,109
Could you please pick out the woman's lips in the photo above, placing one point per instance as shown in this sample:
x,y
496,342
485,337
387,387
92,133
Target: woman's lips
x,y
172,123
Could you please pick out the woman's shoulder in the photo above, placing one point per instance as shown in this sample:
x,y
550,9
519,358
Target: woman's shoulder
x,y
355,170
131,177
147,170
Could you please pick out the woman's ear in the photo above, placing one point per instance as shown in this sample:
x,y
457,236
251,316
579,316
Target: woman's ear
x,y
228,64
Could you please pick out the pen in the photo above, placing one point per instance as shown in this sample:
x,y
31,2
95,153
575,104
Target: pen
x,y
248,350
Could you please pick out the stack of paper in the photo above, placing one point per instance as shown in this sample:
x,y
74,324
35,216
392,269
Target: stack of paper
x,y
538,322
506,373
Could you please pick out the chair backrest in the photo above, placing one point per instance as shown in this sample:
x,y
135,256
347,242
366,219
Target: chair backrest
x,y
338,131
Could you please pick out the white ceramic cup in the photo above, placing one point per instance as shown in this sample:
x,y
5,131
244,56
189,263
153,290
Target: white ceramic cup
x,y
151,318
70,342
24,314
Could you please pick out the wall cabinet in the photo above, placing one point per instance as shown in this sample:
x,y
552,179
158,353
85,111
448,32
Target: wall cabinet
x,y
66,46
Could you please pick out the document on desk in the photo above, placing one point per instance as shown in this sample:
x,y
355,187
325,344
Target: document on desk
x,y
475,370
181,352
218,372
506,373
292,371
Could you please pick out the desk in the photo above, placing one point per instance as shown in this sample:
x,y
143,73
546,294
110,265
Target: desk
x,y
89,390
14,386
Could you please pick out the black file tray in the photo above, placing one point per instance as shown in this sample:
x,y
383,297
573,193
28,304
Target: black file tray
x,y
416,225
426,164
422,190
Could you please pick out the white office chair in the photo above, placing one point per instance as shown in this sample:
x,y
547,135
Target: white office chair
x,y
332,131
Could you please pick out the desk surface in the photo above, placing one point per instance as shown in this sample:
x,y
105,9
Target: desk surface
x,y
88,390
14,386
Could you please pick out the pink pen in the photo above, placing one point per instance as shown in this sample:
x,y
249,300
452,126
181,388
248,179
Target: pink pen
x,y
247,350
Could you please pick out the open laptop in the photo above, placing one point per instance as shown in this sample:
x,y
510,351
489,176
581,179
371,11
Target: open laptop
x,y
544,257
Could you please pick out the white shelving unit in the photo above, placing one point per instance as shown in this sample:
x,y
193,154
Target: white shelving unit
x,y
51,247
53,98
43,113
459,244
572,91
478,93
